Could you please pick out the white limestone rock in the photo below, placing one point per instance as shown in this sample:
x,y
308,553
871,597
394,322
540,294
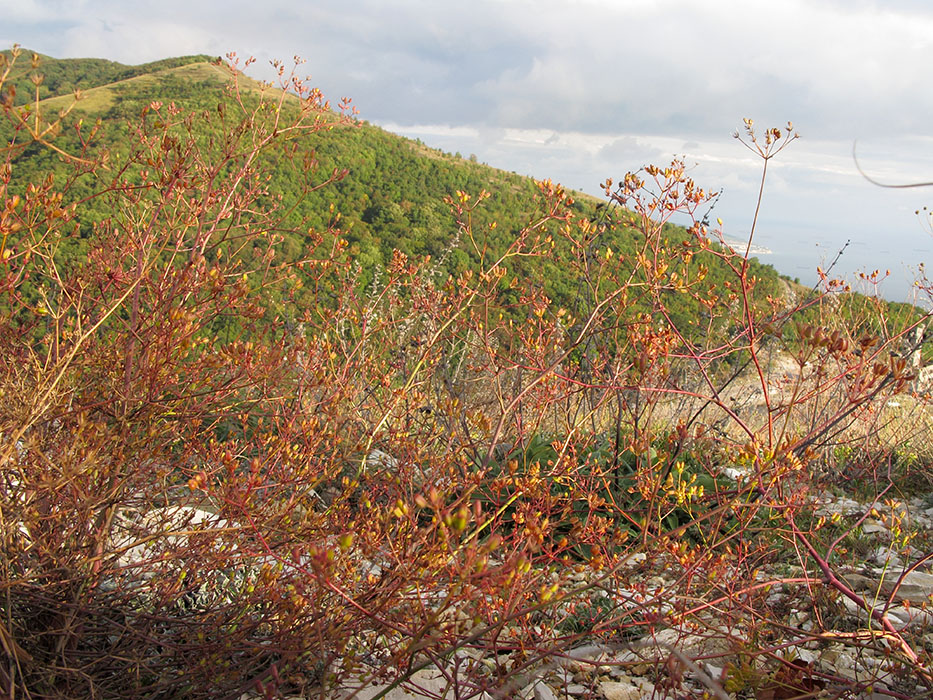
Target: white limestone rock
x,y
916,588
619,690
541,691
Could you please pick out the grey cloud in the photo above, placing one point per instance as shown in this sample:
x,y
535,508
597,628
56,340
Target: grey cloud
x,y
586,66
629,149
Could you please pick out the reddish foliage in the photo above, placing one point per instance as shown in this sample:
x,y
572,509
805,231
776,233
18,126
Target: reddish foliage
x,y
199,498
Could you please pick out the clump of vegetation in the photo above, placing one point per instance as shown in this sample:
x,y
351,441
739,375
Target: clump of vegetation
x,y
236,458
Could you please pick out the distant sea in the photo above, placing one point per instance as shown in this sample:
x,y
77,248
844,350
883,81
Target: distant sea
x,y
897,261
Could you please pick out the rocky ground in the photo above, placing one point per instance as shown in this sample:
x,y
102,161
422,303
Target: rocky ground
x,y
825,654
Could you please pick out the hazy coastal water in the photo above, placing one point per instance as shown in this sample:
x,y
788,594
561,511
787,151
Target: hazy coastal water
x,y
897,257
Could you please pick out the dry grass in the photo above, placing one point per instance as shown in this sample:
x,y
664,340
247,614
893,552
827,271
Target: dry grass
x,y
99,99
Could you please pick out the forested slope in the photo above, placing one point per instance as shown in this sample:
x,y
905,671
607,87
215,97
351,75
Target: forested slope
x,y
392,195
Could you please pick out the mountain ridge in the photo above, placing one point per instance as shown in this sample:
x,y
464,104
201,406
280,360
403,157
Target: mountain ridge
x,y
62,76
393,194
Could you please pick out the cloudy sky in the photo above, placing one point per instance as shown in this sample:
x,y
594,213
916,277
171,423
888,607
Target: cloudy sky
x,y
582,90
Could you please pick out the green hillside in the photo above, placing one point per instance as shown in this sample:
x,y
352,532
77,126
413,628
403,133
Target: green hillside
x,y
392,195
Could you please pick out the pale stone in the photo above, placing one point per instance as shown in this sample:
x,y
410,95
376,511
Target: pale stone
x,y
916,587
377,459
912,617
160,529
858,582
573,658
885,557
842,506
542,691
424,684
734,474
615,690
871,527
633,560
897,623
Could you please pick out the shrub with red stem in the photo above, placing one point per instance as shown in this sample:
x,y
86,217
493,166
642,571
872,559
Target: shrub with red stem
x,y
202,496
